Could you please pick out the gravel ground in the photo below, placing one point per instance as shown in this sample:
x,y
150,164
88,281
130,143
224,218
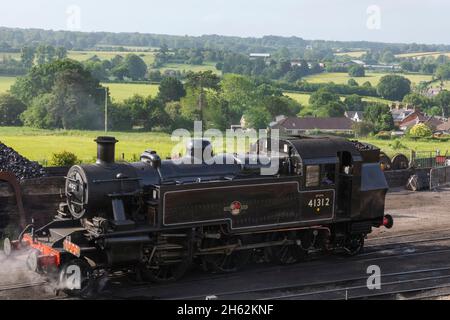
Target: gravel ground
x,y
417,211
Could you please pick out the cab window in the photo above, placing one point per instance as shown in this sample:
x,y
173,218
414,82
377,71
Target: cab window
x,y
320,175
328,175
312,176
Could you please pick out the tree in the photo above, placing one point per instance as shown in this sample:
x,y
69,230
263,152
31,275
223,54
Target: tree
x,y
322,97
443,100
137,105
363,128
280,106
380,116
41,79
443,72
241,93
61,94
37,115
420,130
356,71
394,87
27,57
257,118
61,53
417,100
354,103
120,117
10,110
171,89
352,83
326,104
136,67
200,81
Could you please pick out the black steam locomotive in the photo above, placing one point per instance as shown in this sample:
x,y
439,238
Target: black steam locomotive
x,y
159,217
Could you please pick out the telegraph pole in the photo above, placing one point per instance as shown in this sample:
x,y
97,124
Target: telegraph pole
x,y
106,110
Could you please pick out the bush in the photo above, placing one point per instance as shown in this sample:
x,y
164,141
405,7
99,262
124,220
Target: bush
x,y
64,159
383,135
356,71
420,130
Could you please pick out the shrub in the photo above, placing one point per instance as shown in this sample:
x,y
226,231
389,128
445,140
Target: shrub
x,y
420,130
64,159
383,135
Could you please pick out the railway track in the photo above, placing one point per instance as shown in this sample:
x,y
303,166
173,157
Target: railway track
x,y
349,288
10,287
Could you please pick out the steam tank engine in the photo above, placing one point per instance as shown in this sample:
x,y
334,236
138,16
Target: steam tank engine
x,y
157,217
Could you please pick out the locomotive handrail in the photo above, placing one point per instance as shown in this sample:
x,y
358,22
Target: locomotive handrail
x,y
115,180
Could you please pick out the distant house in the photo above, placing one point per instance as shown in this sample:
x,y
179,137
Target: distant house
x,y
444,127
355,116
358,62
400,112
433,92
259,56
382,67
417,117
306,125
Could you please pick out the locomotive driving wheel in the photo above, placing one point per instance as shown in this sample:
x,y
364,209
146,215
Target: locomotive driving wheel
x,y
167,261
229,258
285,254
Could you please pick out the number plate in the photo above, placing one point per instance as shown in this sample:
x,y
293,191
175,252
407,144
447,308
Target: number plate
x,y
318,204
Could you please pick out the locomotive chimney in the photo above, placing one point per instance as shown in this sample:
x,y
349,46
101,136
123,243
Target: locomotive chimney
x,y
106,149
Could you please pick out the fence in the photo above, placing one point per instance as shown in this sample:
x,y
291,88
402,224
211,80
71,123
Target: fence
x,y
429,159
439,177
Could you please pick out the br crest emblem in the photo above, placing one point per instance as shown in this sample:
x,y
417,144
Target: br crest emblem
x,y
236,208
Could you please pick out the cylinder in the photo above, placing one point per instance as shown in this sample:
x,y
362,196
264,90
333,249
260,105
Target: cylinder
x,y
106,149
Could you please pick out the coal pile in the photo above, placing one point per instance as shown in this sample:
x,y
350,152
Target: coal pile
x,y
12,161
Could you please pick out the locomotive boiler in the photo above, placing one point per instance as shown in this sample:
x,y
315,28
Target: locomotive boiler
x,y
156,218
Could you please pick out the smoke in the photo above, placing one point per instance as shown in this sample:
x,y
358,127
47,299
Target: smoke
x,y
14,272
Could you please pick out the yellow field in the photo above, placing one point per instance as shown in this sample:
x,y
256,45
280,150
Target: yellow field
x,y
353,54
122,91
372,77
148,57
189,67
6,83
303,98
422,54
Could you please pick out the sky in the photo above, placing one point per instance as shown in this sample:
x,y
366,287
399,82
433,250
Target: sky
x,y
402,21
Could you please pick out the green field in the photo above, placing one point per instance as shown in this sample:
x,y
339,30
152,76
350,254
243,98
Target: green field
x,y
39,145
373,78
410,145
6,83
122,91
